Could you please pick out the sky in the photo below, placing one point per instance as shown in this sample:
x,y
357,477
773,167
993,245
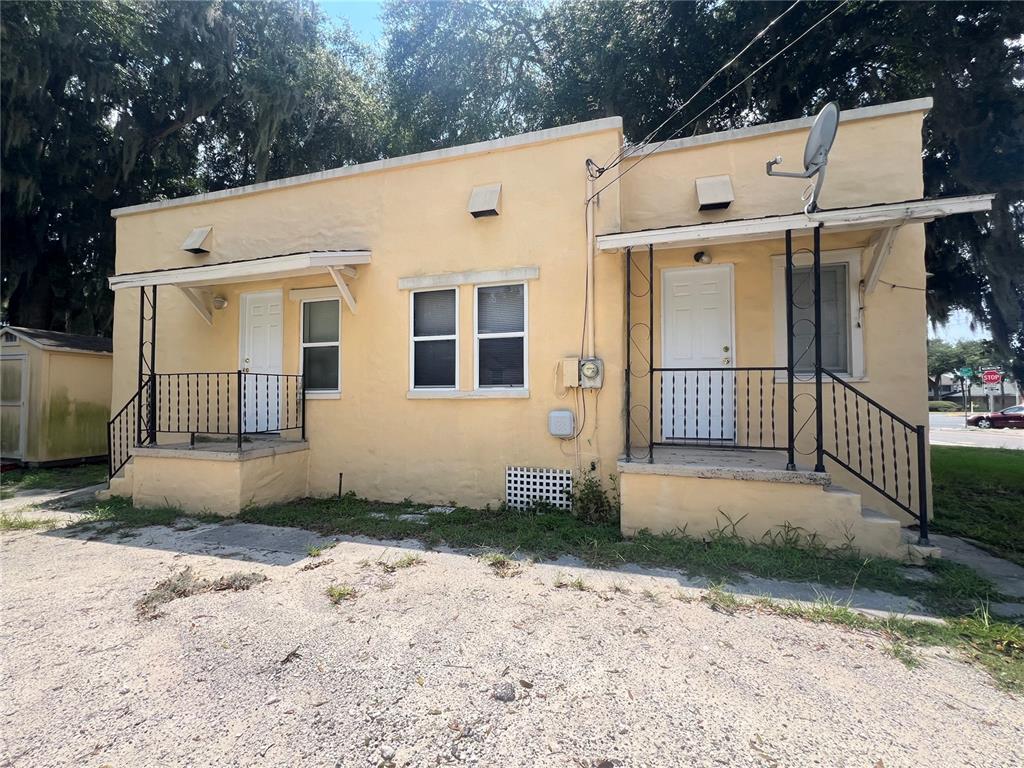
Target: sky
x,y
363,15
360,14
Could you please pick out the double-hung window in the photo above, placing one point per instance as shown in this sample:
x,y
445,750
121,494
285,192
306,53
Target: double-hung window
x,y
501,351
435,342
321,345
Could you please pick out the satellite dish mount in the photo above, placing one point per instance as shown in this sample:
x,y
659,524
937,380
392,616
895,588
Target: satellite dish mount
x,y
819,142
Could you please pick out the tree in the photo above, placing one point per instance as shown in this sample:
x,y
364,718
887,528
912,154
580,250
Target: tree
x,y
108,103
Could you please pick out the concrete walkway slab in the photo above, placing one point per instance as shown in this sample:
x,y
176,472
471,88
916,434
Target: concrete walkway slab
x,y
1006,576
292,541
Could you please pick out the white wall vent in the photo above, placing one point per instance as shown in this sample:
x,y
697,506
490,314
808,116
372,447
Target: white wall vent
x,y
714,192
526,485
194,243
485,201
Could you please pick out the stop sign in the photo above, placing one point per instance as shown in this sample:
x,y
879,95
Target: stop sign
x,y
991,376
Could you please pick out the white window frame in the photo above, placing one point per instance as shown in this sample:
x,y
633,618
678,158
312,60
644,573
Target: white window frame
x,y
413,338
852,258
318,394
524,334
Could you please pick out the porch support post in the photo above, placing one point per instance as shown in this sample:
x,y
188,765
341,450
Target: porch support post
x,y
650,354
152,372
790,363
922,487
819,464
142,343
629,342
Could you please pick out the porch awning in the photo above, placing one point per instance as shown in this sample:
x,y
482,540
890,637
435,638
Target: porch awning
x,y
192,281
881,216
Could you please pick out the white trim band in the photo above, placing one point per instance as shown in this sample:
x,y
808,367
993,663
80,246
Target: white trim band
x,y
292,265
479,277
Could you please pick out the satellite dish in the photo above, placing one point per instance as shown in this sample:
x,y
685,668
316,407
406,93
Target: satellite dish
x,y
819,142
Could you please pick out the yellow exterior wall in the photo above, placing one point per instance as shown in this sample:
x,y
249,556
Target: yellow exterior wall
x,y
413,218
752,509
215,485
415,222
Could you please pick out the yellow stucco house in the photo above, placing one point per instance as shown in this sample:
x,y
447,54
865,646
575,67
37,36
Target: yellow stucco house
x,y
484,323
54,396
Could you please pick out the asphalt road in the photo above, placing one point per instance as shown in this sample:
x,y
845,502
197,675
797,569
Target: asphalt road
x,y
950,430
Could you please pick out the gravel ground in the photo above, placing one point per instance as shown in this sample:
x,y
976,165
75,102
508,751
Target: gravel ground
x,y
413,669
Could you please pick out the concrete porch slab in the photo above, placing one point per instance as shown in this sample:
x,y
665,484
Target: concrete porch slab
x,y
723,464
224,450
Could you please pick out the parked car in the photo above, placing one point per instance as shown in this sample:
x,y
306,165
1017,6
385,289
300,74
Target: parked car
x,y
1008,417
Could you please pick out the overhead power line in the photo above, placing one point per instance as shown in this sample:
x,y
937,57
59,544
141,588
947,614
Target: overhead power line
x,y
633,151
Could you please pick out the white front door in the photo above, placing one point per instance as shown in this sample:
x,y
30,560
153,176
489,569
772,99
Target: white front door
x,y
697,333
260,349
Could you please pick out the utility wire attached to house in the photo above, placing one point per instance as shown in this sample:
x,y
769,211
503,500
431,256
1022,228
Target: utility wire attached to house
x,y
634,151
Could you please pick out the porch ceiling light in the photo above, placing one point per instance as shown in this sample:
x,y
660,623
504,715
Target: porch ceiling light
x,y
714,192
194,242
485,201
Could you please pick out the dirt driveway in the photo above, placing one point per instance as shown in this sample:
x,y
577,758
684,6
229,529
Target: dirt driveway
x,y
614,670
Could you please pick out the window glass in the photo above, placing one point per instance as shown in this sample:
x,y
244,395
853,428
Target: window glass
x,y
835,318
320,321
434,334
321,347
500,309
320,367
433,313
501,362
434,364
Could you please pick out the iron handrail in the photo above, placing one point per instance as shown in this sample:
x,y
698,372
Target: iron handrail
x,y
206,403
867,398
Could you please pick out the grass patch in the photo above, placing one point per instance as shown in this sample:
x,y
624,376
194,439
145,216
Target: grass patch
x,y
118,513
564,582
185,583
51,478
18,522
955,592
979,494
341,592
998,646
501,565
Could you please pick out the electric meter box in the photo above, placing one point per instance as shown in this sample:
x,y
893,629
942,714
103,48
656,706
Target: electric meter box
x,y
591,373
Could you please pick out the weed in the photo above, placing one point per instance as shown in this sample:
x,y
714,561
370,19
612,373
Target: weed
x,y
17,522
185,583
51,478
592,502
562,582
341,592
405,561
314,551
651,595
502,565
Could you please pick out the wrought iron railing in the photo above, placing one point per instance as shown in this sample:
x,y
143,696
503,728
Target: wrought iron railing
x,y
735,407
881,449
122,434
235,403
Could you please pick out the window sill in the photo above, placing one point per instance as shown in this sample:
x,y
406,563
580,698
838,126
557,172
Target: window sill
x,y
467,394
323,395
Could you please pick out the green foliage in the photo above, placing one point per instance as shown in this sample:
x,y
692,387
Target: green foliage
x,y
979,493
942,406
51,478
107,103
594,503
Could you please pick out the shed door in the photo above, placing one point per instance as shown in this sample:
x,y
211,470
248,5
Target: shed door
x,y
13,392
